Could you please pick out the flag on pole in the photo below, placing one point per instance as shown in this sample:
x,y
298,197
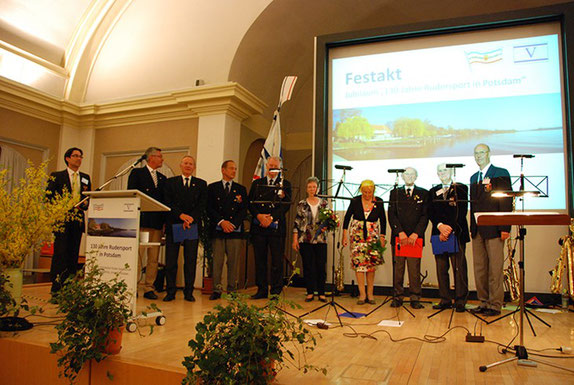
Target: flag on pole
x,y
272,146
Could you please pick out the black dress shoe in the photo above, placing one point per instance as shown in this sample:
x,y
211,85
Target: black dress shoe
x,y
442,306
214,296
417,305
460,307
259,295
322,298
169,297
150,295
491,312
397,302
478,310
189,298
309,299
370,301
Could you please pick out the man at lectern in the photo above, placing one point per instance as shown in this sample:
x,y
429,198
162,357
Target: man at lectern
x,y
186,196
67,242
269,199
488,241
447,212
408,218
150,181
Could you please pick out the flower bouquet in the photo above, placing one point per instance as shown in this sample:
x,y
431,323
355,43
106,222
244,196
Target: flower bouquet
x,y
328,221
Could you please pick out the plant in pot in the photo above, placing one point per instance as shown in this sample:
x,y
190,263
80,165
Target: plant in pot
x,y
243,344
95,311
28,218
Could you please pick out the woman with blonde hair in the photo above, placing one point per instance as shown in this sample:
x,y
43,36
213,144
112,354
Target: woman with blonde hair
x,y
365,222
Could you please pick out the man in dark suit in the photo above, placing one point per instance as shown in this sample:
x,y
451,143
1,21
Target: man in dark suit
x,y
447,212
227,208
488,241
186,195
408,219
268,228
67,242
150,181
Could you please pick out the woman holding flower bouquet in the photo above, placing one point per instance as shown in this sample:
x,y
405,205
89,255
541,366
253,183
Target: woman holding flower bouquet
x,y
366,223
310,239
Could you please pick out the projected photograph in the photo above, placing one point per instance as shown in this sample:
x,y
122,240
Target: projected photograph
x,y
524,124
113,227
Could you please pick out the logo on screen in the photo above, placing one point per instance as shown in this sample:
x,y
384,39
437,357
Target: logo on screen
x,y
128,208
530,53
484,57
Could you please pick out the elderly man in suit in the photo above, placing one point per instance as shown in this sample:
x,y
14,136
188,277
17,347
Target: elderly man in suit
x,y
150,181
488,241
227,208
408,219
268,228
67,242
447,212
186,195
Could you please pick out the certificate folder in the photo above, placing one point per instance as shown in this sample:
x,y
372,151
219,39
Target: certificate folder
x,y
180,234
448,246
410,251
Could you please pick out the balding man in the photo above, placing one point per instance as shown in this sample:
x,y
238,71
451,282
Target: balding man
x,y
408,219
186,195
488,241
447,212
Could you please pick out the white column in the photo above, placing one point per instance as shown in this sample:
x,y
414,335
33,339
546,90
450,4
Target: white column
x,y
217,141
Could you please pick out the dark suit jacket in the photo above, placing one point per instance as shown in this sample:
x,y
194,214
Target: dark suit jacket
x,y
140,179
181,200
259,192
408,214
454,216
231,207
60,181
482,201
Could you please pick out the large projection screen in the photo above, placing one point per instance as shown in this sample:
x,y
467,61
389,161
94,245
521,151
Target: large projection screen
x,y
420,98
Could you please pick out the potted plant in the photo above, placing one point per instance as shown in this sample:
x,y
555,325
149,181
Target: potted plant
x,y
243,344
95,313
28,217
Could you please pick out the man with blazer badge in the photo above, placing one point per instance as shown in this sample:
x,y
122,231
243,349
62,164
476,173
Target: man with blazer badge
x,y
150,181
227,205
447,212
488,241
67,242
269,200
186,195
408,219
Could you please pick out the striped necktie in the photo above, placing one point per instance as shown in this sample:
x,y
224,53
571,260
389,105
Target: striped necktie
x,y
75,186
154,177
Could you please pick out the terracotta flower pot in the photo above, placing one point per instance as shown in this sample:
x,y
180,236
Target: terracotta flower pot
x,y
114,341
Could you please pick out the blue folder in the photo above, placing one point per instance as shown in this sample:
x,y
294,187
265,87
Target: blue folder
x,y
180,234
448,246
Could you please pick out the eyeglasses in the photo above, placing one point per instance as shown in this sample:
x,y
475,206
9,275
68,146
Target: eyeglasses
x,y
77,156
480,152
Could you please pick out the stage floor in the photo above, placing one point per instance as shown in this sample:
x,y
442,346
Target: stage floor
x,y
357,361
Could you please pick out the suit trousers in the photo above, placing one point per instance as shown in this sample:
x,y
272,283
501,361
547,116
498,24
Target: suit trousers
x,y
152,258
414,266
488,271
261,244
231,247
189,265
314,266
460,272
66,251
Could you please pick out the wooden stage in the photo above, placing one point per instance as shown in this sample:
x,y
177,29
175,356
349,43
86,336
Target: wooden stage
x,y
156,359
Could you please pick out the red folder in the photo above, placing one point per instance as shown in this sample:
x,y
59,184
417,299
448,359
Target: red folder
x,y
409,251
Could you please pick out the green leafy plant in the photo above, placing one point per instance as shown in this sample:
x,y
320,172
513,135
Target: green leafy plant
x,y
92,307
243,344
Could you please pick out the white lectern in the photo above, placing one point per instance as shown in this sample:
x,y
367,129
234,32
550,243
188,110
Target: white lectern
x,y
113,236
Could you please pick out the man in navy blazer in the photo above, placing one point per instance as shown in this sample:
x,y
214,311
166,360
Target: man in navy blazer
x,y
447,212
186,196
408,219
227,205
488,241
150,181
67,242
268,227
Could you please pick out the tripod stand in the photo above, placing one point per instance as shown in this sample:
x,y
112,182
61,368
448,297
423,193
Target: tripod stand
x,y
521,219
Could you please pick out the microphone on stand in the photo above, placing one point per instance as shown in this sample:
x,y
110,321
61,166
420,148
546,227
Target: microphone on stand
x,y
454,165
395,170
527,156
341,167
139,160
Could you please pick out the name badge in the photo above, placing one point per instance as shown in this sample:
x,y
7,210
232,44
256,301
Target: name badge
x,y
84,180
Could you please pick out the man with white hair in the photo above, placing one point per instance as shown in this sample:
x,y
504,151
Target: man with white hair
x,y
269,200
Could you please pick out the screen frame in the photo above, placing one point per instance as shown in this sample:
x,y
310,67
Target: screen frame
x,y
562,13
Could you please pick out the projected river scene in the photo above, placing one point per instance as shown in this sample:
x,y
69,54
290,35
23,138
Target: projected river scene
x,y
525,124
112,227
